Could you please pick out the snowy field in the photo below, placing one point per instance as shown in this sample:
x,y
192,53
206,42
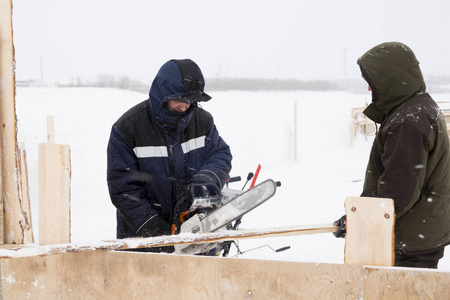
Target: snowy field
x,y
258,126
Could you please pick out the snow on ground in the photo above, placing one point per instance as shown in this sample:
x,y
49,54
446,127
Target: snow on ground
x,y
258,126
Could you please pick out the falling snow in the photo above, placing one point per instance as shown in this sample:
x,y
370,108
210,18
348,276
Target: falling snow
x,y
258,126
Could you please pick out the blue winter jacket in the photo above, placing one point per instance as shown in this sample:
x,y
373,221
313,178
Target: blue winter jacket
x,y
153,152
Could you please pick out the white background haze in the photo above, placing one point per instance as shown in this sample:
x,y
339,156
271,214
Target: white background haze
x,y
298,39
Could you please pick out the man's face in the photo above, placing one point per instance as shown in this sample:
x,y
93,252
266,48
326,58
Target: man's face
x,y
178,106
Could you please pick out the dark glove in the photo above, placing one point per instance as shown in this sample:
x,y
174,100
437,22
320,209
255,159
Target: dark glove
x,y
342,223
205,184
154,226
181,211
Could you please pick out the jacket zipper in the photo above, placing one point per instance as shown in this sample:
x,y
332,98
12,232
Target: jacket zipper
x,y
172,177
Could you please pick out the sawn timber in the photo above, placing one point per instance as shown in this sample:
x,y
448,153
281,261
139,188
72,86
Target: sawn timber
x,y
183,238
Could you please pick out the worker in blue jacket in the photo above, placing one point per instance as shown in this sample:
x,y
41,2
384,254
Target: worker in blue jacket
x,y
162,150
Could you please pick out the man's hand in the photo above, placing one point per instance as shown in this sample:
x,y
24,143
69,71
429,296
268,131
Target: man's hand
x,y
342,223
204,184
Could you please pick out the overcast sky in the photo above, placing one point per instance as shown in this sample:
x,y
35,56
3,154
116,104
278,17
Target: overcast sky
x,y
303,39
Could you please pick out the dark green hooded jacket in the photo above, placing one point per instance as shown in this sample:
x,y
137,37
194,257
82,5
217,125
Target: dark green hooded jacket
x,y
410,160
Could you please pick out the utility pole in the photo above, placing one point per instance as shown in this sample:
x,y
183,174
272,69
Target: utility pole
x,y
42,69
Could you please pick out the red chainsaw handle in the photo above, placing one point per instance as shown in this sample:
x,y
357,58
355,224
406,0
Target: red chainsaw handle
x,y
256,176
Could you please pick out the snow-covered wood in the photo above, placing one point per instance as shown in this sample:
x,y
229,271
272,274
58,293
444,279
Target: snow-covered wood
x,y
370,231
131,275
183,238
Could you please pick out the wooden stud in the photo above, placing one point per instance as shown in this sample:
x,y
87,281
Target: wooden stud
x,y
11,229
370,231
50,129
54,194
26,224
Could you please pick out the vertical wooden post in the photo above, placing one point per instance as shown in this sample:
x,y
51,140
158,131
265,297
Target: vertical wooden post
x,y
354,124
13,219
54,190
25,196
295,132
370,231
50,129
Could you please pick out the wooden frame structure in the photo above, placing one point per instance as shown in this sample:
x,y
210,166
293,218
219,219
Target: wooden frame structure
x,y
90,273
132,275
446,114
360,123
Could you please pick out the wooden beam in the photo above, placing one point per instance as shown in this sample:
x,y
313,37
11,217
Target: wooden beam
x,y
405,283
54,194
123,275
26,225
370,231
11,231
183,238
50,129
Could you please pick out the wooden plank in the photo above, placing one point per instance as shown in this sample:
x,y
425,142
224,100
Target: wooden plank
x,y
361,123
54,194
11,230
26,225
50,129
405,283
125,275
446,114
184,238
370,231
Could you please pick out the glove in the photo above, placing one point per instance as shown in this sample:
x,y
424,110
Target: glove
x,y
342,223
154,226
205,184
182,205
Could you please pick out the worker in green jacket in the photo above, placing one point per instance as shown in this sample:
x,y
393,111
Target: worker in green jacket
x,y
410,159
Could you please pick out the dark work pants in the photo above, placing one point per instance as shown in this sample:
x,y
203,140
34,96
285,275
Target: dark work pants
x,y
423,260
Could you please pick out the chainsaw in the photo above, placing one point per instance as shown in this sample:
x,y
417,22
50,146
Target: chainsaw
x,y
232,205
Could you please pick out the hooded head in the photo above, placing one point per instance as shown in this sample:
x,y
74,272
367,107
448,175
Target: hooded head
x,y
393,74
179,80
